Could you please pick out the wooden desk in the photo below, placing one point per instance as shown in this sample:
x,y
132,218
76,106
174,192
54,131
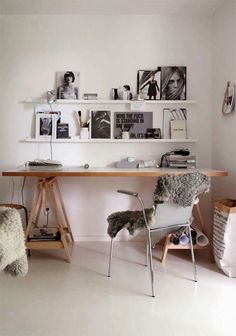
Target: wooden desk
x,y
99,172
48,185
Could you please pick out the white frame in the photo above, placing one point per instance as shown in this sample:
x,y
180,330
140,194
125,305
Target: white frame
x,y
60,82
91,123
40,116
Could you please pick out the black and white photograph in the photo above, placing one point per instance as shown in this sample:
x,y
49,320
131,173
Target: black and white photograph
x,y
148,84
153,133
67,85
63,131
173,83
45,125
136,123
100,124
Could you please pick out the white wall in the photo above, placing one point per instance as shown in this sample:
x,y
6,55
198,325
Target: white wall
x,y
224,127
108,51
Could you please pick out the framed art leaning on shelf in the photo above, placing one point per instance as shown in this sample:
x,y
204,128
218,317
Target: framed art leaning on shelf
x,y
67,85
100,125
136,123
173,83
148,84
45,126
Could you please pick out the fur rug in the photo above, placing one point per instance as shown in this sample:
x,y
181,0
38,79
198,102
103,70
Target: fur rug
x,y
13,257
181,189
130,220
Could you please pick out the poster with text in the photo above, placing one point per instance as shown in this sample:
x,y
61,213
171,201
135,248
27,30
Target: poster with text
x,y
136,123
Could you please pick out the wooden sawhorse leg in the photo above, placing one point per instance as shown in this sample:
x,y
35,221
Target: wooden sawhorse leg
x,y
49,186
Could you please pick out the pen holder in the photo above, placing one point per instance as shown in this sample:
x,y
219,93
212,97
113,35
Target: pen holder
x,y
125,135
84,133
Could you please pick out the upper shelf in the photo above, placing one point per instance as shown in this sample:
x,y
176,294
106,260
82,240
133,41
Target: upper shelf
x,y
109,101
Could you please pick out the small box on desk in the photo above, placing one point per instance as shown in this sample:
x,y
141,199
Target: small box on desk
x,y
127,164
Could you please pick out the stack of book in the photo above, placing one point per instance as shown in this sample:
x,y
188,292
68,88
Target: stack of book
x,y
180,161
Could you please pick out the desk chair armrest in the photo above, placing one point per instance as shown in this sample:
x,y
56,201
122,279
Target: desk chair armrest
x,y
127,192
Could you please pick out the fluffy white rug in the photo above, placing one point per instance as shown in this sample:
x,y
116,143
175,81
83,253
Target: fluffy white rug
x,y
13,257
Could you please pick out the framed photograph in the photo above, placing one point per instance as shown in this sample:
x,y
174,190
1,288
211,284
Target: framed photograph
x,y
67,85
63,131
173,83
100,125
153,133
148,84
170,115
46,125
136,123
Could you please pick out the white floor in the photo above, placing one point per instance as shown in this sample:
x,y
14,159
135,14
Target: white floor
x,y
77,299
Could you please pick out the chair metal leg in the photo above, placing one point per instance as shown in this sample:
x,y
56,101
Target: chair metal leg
x,y
110,258
151,263
193,257
146,255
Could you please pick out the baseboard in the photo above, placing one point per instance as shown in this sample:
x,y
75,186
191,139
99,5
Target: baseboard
x,y
106,238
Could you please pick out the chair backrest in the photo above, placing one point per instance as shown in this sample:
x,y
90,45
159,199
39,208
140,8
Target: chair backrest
x,y
169,213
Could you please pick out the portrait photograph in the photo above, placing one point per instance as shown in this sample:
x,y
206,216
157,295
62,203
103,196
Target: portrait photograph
x,y
100,124
67,83
148,84
173,83
45,125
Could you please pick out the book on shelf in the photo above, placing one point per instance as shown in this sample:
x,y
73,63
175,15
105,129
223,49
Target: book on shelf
x,y
178,129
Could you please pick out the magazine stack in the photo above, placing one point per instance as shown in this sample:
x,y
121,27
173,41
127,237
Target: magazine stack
x,y
180,161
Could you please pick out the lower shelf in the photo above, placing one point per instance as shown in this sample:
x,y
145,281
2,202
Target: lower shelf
x,y
172,246
44,245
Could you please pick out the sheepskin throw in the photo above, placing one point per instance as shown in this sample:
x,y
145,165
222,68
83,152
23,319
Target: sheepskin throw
x,y
13,257
180,189
131,220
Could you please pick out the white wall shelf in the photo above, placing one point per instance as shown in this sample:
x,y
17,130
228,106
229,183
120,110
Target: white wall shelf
x,y
107,101
77,140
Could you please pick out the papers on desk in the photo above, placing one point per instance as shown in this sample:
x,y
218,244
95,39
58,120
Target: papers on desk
x,y
46,163
43,165
42,168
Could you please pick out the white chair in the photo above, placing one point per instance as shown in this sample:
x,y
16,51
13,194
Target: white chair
x,y
166,216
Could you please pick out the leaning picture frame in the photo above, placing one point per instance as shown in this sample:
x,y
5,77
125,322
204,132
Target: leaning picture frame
x,y
68,85
148,84
45,126
100,124
173,83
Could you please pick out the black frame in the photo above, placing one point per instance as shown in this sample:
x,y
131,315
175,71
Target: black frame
x,y
142,79
100,125
166,72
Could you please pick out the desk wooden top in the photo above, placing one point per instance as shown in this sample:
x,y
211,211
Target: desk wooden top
x,y
105,172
